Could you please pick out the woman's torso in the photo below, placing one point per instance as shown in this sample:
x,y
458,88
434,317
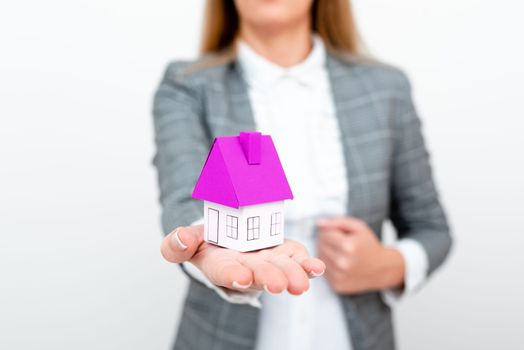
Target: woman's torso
x,y
365,98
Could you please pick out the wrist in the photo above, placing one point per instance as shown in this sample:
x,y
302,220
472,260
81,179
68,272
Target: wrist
x,y
393,269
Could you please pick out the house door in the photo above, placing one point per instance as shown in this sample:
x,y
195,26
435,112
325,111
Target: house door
x,y
212,225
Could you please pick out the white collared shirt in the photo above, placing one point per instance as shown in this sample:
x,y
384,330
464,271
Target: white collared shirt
x,y
295,106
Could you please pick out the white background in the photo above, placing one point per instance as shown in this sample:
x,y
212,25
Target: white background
x,y
79,219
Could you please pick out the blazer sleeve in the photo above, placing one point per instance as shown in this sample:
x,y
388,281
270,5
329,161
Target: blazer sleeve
x,y
182,144
416,211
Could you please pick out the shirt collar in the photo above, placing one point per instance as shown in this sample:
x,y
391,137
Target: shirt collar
x,y
262,73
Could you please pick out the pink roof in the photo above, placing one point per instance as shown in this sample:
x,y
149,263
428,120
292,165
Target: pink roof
x,y
242,170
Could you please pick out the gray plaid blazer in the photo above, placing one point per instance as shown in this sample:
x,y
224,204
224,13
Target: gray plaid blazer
x,y
389,178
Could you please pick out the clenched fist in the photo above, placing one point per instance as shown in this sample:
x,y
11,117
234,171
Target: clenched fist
x,y
355,259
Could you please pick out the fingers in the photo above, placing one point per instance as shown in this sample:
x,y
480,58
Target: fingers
x,y
229,273
344,223
328,255
294,261
298,281
181,244
333,238
312,266
266,275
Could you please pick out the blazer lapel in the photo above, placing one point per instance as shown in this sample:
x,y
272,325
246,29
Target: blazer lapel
x,y
238,101
227,102
346,88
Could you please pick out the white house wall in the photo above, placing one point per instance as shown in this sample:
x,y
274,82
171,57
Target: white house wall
x,y
263,211
223,240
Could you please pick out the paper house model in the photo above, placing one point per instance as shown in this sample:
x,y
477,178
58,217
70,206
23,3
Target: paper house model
x,y
243,186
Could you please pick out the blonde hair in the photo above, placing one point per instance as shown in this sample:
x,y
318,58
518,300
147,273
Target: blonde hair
x,y
332,20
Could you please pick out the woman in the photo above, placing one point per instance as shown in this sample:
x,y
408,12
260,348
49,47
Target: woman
x,y
350,142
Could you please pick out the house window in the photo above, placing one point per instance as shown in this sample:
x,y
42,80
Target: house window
x,y
253,228
276,223
232,226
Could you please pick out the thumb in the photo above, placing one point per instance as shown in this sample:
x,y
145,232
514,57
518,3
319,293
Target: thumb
x,y
181,244
343,223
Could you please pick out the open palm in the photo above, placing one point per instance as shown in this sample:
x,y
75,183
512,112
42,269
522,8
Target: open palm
x,y
287,266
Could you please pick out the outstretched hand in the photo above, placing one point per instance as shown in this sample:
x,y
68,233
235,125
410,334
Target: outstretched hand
x,y
287,266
